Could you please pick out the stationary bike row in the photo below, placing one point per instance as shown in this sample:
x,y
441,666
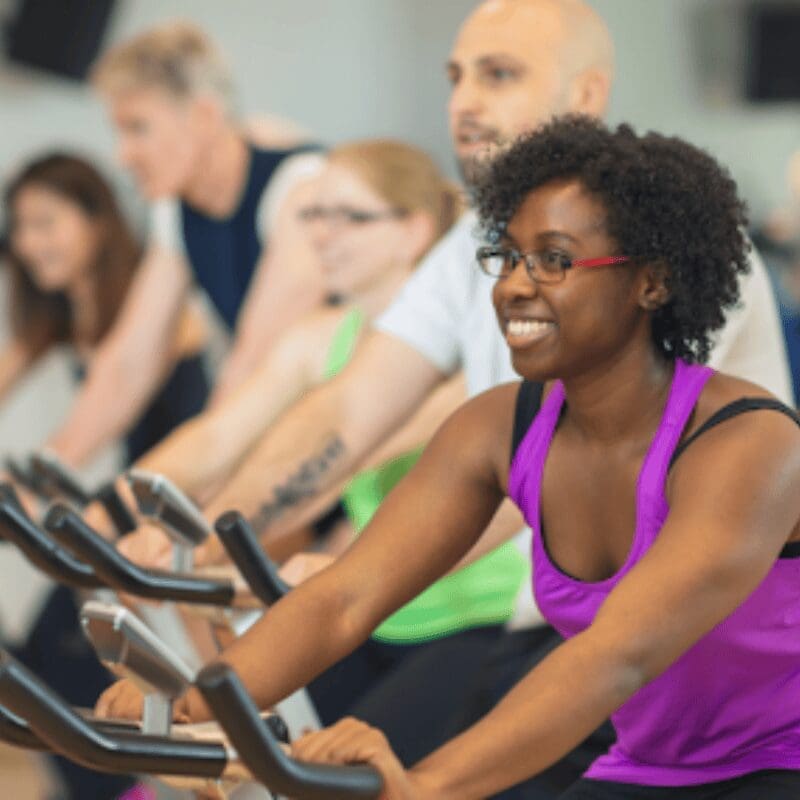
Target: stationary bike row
x,y
35,717
103,565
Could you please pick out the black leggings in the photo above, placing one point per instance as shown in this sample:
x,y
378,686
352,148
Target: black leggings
x,y
410,692
766,785
512,657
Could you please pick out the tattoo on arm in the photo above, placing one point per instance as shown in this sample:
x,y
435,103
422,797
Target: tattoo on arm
x,y
302,485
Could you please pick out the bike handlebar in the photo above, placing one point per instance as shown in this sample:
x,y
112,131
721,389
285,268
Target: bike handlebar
x,y
123,518
121,639
257,568
39,548
162,501
24,476
263,755
51,471
67,732
118,572
15,731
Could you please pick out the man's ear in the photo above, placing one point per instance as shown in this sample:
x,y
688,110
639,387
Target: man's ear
x,y
589,93
654,289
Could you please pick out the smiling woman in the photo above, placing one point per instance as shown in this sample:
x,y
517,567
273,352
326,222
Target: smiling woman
x,y
625,210
663,497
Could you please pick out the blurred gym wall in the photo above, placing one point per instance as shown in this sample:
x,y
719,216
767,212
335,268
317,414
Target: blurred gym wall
x,y
352,68
348,68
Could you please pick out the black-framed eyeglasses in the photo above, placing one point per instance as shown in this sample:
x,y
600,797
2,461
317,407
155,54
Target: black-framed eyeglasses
x,y
347,215
542,266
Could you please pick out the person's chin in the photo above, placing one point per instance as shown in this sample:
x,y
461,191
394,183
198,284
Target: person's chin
x,y
533,366
473,166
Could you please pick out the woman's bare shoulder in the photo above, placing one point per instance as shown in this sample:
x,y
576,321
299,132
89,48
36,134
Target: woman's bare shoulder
x,y
722,390
485,424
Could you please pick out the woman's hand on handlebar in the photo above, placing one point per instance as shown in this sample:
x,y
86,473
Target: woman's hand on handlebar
x,y
148,546
303,566
123,700
351,741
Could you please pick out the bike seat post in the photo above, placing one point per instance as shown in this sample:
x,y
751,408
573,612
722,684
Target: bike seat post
x,y
157,715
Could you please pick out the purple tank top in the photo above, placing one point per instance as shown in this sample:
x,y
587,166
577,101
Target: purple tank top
x,y
728,706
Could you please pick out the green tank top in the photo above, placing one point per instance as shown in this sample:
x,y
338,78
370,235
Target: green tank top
x,y
484,593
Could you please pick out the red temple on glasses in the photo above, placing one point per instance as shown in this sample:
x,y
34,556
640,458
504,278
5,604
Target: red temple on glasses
x,y
600,262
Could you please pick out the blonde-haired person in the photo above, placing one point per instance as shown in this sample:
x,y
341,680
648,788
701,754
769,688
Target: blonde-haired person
x,y
380,206
375,210
224,216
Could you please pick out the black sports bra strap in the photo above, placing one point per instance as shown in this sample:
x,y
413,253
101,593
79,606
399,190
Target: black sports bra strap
x,y
734,409
529,400
742,406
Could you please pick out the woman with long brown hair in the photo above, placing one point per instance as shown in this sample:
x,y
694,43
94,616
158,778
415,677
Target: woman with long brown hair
x,y
72,257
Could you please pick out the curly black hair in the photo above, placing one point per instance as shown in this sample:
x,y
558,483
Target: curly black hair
x,y
665,201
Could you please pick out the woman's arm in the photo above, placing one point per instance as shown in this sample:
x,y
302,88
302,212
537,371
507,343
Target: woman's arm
x,y
453,490
15,359
200,454
725,529
205,449
130,362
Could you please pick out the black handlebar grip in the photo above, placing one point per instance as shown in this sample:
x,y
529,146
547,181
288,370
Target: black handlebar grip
x,y
15,731
9,495
263,755
116,508
257,568
24,477
122,574
52,472
66,732
39,548
278,727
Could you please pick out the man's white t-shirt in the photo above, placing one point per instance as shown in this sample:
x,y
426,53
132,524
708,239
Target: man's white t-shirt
x,y
445,312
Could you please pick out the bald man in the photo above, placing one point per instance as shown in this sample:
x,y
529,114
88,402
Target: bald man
x,y
514,65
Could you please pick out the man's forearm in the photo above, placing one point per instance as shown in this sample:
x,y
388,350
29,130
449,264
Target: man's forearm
x,y
194,456
322,439
237,368
296,462
303,483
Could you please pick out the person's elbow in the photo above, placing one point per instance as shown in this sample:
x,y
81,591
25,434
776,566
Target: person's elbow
x,y
627,663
